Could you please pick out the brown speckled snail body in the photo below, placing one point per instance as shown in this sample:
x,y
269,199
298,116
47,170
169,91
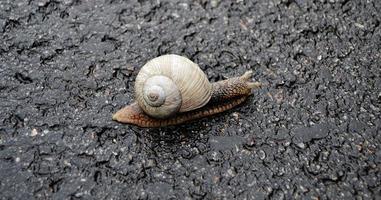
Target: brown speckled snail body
x,y
171,90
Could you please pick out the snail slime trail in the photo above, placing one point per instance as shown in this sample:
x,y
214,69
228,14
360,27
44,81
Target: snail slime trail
x,y
165,97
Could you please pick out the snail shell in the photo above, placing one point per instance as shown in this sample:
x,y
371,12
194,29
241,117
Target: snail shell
x,y
169,84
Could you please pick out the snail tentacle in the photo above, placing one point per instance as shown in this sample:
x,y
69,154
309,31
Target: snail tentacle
x,y
246,77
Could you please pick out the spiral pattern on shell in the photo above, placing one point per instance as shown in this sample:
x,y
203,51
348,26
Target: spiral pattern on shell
x,y
169,84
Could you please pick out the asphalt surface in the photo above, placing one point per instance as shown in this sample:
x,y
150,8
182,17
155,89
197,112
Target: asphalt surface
x,y
312,132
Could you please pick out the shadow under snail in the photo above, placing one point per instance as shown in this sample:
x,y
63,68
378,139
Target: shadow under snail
x,y
171,90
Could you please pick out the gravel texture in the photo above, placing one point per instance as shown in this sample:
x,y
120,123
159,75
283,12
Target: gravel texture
x,y
313,131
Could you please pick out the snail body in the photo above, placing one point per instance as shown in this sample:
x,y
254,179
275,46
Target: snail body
x,y
171,90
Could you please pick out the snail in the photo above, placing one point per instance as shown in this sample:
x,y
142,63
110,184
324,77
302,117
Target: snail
x,y
171,90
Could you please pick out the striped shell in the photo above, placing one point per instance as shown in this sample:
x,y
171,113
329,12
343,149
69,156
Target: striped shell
x,y
169,84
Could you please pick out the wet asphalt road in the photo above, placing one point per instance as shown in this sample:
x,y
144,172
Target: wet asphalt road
x,y
313,132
